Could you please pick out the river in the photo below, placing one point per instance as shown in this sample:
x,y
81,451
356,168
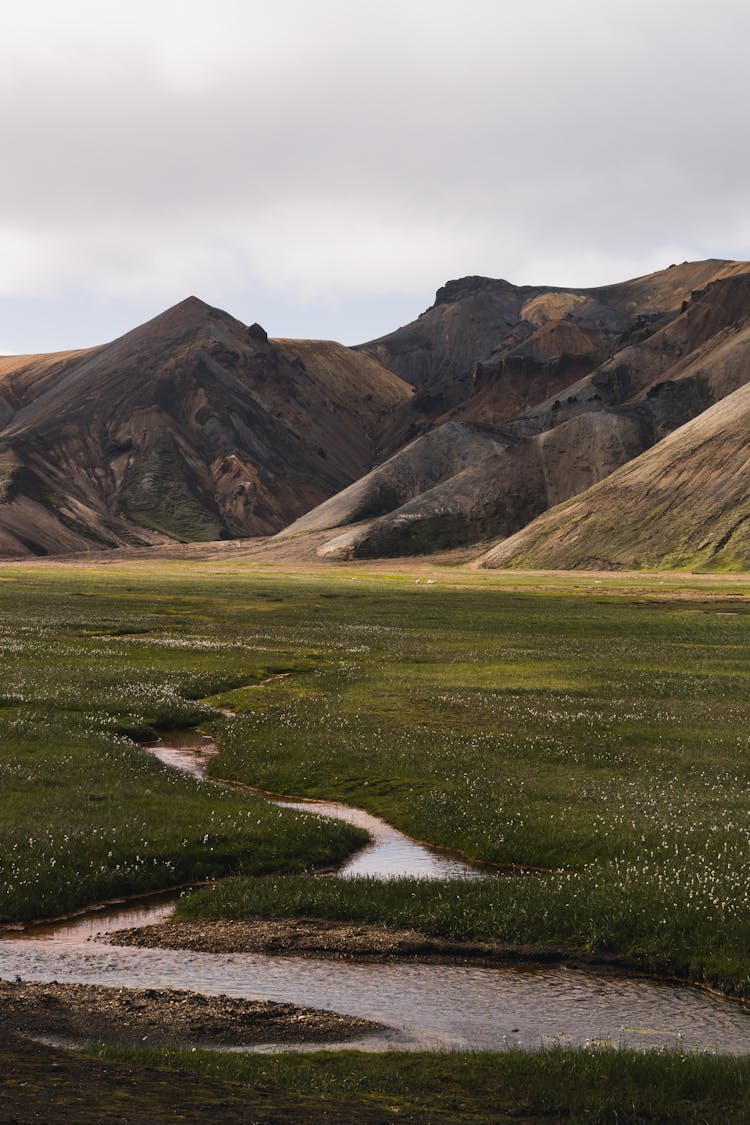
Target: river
x,y
423,1006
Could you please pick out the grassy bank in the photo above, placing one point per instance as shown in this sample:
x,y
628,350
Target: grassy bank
x,y
602,734
466,1089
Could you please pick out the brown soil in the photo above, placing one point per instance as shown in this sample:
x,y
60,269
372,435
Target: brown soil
x,y
346,941
298,936
163,1016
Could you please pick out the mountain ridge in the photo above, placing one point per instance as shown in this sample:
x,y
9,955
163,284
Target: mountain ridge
x,y
559,446
465,426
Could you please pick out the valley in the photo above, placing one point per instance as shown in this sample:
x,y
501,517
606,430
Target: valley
x,y
465,604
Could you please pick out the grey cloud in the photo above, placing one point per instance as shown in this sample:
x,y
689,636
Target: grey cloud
x,y
306,152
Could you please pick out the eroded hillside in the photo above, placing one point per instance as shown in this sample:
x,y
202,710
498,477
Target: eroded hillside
x,y
486,472
191,427
463,427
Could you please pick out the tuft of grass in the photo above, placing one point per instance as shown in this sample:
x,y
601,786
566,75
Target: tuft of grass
x,y
591,1086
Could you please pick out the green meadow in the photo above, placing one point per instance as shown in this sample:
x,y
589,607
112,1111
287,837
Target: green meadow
x,y
596,1087
588,737
93,665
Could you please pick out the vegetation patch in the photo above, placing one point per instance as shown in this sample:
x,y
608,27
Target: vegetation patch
x,y
161,492
594,728
86,669
601,1086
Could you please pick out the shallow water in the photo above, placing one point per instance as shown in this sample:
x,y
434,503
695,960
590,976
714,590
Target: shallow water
x,y
426,1006
390,853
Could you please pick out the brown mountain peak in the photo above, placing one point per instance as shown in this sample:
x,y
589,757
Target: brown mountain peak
x,y
186,316
462,287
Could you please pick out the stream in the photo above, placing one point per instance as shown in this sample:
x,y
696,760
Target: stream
x,y
423,1006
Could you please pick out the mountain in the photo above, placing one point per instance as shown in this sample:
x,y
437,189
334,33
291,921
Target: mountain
x,y
492,349
494,494
487,471
497,404
192,426
683,504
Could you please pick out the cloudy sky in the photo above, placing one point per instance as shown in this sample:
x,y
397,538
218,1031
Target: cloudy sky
x,y
322,166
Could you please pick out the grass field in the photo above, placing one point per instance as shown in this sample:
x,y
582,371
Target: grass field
x,y
601,734
89,665
149,1086
592,727
602,1086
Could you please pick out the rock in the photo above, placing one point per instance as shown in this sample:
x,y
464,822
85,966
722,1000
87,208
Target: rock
x,y
257,332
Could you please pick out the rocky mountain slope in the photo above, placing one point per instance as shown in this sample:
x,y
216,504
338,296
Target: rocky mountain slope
x,y
685,504
191,427
466,480
492,349
496,404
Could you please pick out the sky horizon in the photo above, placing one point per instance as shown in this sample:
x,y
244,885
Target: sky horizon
x,y
324,167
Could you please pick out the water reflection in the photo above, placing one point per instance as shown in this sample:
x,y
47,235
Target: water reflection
x,y
390,853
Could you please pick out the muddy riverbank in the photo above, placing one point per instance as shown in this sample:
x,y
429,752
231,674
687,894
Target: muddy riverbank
x,y
82,1012
341,941
319,937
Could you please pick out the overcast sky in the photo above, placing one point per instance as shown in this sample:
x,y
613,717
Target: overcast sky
x,y
322,166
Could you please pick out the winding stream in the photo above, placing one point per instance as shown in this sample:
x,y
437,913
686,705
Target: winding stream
x,y
424,1006
389,855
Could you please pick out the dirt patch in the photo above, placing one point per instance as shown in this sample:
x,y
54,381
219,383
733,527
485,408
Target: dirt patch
x,y
299,936
318,937
160,1016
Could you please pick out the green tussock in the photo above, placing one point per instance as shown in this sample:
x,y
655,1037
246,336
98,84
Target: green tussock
x,y
592,1086
160,492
